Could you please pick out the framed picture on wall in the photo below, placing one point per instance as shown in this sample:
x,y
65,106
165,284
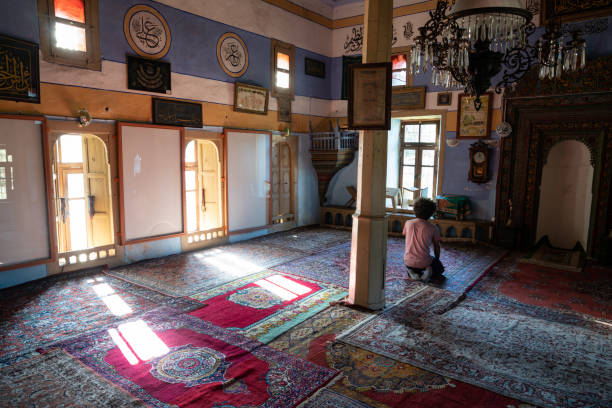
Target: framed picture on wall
x,y
563,10
251,99
177,113
445,99
369,102
411,97
472,123
19,75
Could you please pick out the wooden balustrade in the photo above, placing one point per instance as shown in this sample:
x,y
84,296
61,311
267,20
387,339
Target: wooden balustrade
x,y
450,230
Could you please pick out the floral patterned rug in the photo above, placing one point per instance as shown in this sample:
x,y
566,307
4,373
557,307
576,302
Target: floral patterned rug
x,y
307,239
587,292
464,264
490,345
166,358
194,272
264,305
62,306
56,379
373,379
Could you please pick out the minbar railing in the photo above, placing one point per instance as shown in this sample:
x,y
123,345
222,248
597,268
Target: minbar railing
x,y
339,140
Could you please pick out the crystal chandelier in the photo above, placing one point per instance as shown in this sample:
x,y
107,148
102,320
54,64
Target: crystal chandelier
x,y
477,39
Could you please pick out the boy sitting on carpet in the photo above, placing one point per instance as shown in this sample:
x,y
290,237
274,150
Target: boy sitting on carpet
x,y
420,235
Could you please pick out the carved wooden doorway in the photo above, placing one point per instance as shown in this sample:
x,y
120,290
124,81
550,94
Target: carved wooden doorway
x,y
282,186
543,114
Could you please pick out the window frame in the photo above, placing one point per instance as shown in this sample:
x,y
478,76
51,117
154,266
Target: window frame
x,y
419,148
106,132
288,49
206,238
406,51
89,59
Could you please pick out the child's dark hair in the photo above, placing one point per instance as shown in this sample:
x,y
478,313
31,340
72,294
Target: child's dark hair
x,y
424,208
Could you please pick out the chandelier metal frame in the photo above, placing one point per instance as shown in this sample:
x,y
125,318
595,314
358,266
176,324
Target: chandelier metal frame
x,y
471,57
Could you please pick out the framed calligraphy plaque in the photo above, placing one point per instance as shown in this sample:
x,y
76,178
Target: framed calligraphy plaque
x,y
19,70
573,10
411,97
146,31
472,123
251,99
314,67
369,101
148,75
232,54
177,113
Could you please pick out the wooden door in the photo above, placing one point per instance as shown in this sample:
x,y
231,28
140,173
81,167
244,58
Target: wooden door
x,y
96,171
210,195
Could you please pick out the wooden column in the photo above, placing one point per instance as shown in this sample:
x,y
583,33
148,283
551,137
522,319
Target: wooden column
x,y
369,238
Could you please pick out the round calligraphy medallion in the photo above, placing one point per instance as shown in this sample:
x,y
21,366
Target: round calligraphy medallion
x,y
146,31
232,54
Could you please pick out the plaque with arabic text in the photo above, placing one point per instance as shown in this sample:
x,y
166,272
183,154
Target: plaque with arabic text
x,y
573,10
19,74
177,113
148,75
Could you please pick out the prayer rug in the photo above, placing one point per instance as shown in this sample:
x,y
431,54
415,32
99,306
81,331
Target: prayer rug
x,y
168,358
264,305
62,306
375,379
56,379
563,259
588,292
464,263
307,239
489,345
194,272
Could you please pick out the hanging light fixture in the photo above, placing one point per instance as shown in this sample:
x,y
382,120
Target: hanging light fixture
x,y
466,44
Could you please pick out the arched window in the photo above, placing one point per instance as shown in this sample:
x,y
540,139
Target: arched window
x,y
203,190
82,193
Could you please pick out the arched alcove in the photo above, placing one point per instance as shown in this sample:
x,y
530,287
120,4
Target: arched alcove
x,y
564,211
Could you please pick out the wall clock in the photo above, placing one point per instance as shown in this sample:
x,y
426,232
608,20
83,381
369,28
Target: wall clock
x,y
232,54
479,163
146,31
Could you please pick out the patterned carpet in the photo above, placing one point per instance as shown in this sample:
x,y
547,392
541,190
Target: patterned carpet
x,y
194,272
63,306
489,345
264,305
58,380
308,239
373,379
464,263
587,292
469,353
176,359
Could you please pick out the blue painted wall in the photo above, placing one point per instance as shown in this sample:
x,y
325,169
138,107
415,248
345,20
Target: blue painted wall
x,y
18,276
193,49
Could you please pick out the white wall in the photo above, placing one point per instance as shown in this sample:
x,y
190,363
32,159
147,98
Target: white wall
x,y
566,195
393,151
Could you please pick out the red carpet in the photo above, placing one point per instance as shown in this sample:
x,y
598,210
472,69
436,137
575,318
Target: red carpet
x,y
588,292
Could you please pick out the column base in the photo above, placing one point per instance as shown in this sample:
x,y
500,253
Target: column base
x,y
368,261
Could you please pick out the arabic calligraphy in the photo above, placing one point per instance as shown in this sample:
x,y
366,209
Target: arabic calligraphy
x,y
15,76
408,30
354,43
232,54
148,32
590,27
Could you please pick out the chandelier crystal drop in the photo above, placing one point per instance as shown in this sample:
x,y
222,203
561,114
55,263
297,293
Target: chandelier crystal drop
x,y
467,43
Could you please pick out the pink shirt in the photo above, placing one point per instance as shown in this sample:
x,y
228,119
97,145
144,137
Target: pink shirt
x,y
420,235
